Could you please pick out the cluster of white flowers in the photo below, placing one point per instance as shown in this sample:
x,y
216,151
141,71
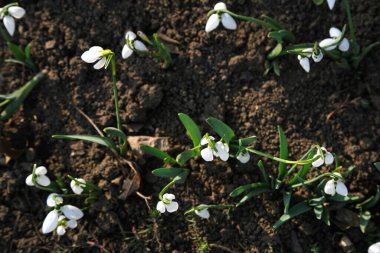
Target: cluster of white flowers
x,y
62,216
220,149
214,20
327,45
8,16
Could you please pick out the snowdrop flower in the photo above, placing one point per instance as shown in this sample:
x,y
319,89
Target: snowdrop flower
x,y
132,44
63,224
331,43
327,158
95,54
78,185
227,21
9,16
340,188
54,200
331,4
41,177
315,54
208,153
243,157
374,248
52,219
172,206
204,213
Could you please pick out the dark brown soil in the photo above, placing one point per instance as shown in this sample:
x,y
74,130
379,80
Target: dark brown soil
x,y
218,74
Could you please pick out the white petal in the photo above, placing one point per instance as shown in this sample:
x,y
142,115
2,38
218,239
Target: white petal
x,y
16,11
168,196
53,200
243,157
344,45
334,32
222,152
61,230
41,170
228,21
92,55
305,64
204,213
127,52
29,180
330,187
307,52
338,174
317,57
72,224
204,141
130,35
207,155
100,64
374,248
341,188
172,207
329,158
139,46
50,222
161,207
72,212
331,4
226,147
43,180
77,189
328,44
220,6
9,23
212,22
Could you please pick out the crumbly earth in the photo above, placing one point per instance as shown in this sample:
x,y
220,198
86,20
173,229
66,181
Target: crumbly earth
x,y
218,74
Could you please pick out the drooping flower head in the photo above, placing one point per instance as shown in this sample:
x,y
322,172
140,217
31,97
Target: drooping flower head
x,y
374,248
218,149
203,213
8,16
96,54
132,44
167,204
243,157
214,20
326,158
315,53
78,185
333,42
334,186
54,219
40,177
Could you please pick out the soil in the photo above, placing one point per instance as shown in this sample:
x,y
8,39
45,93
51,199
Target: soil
x,y
218,74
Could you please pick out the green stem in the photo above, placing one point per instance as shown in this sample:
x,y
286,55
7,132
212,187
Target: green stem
x,y
304,162
350,23
295,165
162,192
310,181
115,93
245,18
5,102
198,208
72,195
4,35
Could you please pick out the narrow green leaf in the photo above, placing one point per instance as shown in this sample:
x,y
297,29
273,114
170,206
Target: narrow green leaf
x,y
377,166
296,210
221,129
371,201
275,51
317,201
318,211
283,154
239,190
285,34
246,142
181,178
272,21
263,172
17,52
276,68
365,217
158,153
191,128
318,2
167,172
27,50
252,194
287,197
104,141
113,131
301,174
183,157
326,216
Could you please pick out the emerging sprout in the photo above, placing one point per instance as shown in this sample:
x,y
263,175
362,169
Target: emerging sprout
x,y
214,19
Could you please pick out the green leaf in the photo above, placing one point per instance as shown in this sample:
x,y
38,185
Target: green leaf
x,y
181,178
287,197
377,166
276,68
263,172
221,129
17,51
158,153
283,154
285,34
252,194
326,216
371,201
27,50
318,2
365,52
345,199
317,201
296,210
18,96
246,142
275,51
113,131
167,172
272,21
318,211
364,220
301,174
183,157
275,35
239,190
191,128
104,141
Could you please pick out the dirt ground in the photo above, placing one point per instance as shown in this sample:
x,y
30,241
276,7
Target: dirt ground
x,y
219,74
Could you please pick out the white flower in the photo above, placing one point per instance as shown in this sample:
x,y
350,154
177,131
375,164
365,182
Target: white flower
x,y
331,43
243,157
204,213
94,54
171,207
340,188
331,4
208,153
54,200
304,58
214,19
41,178
327,158
132,44
9,17
78,187
54,220
374,248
